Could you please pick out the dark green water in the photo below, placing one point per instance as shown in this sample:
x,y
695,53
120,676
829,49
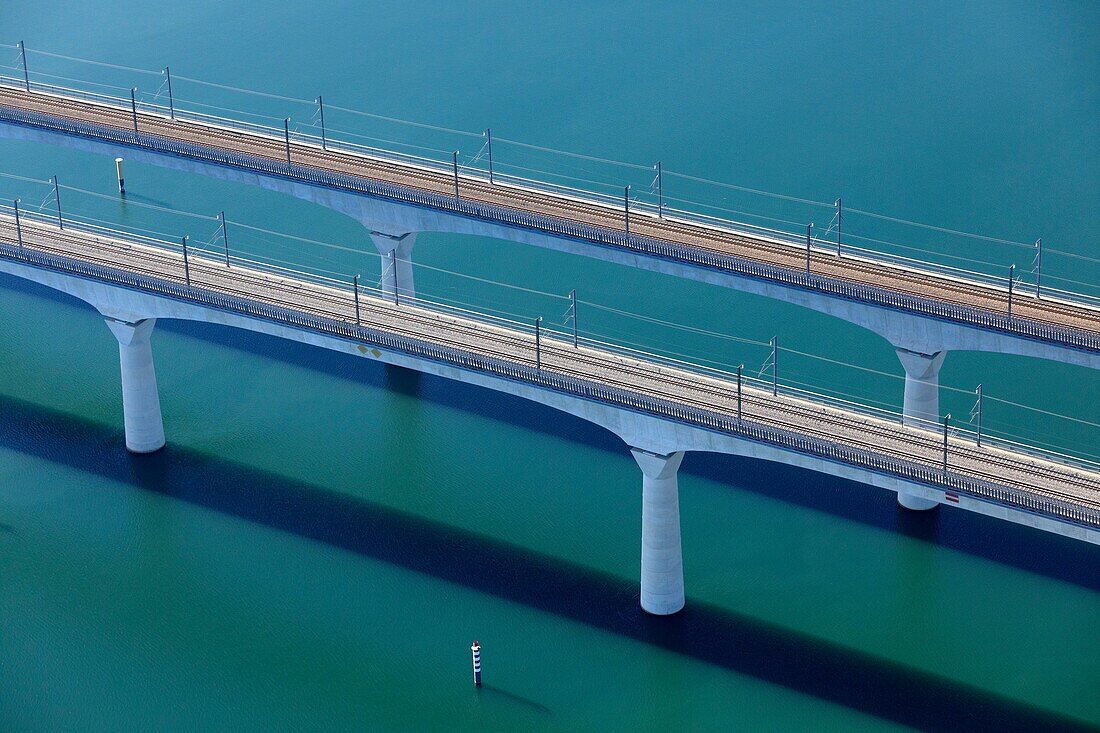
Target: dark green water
x,y
322,539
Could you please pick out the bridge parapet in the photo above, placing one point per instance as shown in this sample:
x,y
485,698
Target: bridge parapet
x,y
616,403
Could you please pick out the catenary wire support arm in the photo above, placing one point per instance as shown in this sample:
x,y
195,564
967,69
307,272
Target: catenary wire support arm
x,y
321,114
839,219
538,343
809,238
396,285
573,314
1011,280
626,209
133,107
489,148
57,200
978,413
286,137
740,368
946,425
18,226
186,266
660,192
775,366
1038,266
355,288
225,236
26,73
171,100
454,159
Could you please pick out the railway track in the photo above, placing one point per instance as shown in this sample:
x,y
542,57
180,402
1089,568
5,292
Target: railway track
x,y
757,248
1039,477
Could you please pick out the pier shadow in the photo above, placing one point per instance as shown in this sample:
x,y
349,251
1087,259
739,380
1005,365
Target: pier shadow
x,y
708,633
1007,543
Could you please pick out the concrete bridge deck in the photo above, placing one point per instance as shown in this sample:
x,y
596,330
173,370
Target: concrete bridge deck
x,y
634,396
1059,328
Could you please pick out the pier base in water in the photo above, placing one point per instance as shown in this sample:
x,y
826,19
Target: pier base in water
x,y
140,401
662,559
921,406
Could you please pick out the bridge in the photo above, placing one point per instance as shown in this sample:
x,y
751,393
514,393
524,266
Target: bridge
x,y
659,409
923,311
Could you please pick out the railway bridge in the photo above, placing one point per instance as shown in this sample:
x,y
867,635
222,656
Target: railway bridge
x,y
659,409
923,313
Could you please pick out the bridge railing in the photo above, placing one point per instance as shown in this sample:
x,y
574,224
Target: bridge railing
x,y
559,337
926,306
468,171
616,396
560,177
510,368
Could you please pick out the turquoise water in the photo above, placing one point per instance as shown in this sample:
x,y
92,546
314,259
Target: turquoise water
x,y
322,539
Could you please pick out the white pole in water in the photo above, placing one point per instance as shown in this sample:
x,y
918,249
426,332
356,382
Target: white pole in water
x,y
475,650
121,180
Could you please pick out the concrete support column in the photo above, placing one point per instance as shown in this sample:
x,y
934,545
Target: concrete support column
x,y
140,402
921,406
662,560
396,249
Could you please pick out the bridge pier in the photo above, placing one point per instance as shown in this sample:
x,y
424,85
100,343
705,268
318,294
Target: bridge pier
x,y
397,270
662,559
921,405
140,402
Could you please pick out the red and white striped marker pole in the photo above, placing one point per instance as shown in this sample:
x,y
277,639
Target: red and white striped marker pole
x,y
475,650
